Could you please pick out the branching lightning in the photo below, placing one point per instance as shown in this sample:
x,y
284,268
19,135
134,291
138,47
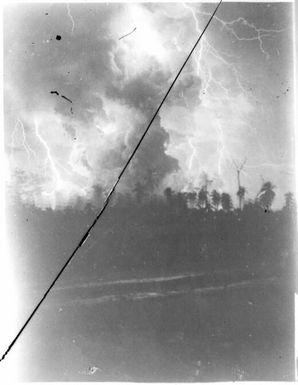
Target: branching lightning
x,y
26,146
210,81
193,154
50,159
260,33
223,87
60,178
208,78
71,18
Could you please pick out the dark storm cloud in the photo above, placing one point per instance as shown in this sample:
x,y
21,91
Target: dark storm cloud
x,y
73,73
145,92
152,164
233,99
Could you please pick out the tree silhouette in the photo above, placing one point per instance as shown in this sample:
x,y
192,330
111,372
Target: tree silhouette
x,y
203,198
191,197
266,195
215,199
168,193
241,194
226,202
241,190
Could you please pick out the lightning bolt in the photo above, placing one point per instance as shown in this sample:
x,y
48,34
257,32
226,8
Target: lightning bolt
x,y
207,49
58,182
210,80
193,154
27,147
60,176
260,33
71,18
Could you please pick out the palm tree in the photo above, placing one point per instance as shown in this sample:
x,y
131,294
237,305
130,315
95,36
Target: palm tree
x,y
241,194
241,190
266,195
215,199
226,202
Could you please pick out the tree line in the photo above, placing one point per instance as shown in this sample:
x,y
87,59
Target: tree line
x,y
148,235
202,199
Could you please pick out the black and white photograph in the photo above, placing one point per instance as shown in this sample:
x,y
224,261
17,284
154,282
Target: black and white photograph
x,y
149,190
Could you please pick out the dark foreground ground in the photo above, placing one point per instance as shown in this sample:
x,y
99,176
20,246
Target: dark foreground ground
x,y
231,319
244,331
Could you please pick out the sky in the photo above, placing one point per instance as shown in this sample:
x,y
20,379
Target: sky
x,y
78,95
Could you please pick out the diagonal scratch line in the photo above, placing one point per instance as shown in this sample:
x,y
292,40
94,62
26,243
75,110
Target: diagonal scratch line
x,y
108,198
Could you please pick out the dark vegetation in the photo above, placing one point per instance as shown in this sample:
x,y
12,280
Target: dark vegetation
x,y
238,332
144,235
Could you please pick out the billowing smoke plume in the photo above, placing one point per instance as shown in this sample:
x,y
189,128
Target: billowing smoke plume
x,y
77,99
80,101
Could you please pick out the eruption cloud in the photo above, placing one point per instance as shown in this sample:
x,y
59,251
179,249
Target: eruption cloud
x,y
59,155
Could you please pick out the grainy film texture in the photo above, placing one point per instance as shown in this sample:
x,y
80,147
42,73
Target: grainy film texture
x,y
189,274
